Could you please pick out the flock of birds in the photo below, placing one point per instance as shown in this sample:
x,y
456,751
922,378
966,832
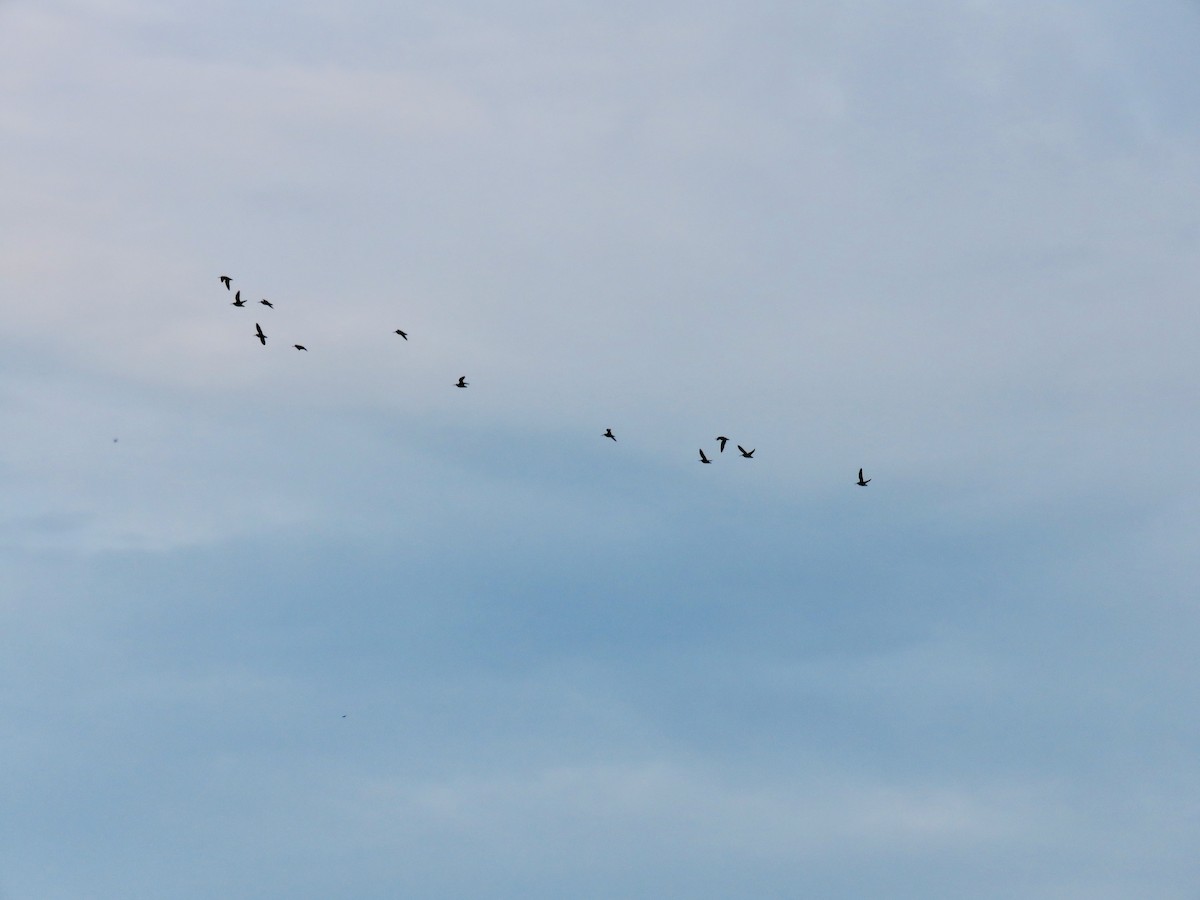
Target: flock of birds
x,y
462,381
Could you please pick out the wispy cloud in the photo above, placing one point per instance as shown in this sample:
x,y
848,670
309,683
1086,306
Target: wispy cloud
x,y
950,243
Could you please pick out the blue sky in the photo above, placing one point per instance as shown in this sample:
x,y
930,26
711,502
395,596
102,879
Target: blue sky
x,y
318,624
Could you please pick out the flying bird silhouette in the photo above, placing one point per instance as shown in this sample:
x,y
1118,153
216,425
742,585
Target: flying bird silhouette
x,y
749,454
225,279
261,337
462,381
403,334
704,459
608,434
300,347
266,302
861,481
722,439
237,299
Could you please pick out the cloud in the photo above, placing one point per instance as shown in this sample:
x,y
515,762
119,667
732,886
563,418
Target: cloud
x,y
950,243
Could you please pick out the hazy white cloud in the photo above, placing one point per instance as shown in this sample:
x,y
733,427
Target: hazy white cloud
x,y
950,242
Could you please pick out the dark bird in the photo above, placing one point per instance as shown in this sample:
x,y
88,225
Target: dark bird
x,y
608,434
704,459
462,381
237,299
403,334
749,454
861,481
300,347
225,279
266,302
261,337
722,439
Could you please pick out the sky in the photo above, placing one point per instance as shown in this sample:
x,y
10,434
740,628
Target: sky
x,y
281,624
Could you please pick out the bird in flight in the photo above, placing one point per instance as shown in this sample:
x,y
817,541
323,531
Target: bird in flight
x,y
608,434
225,279
261,337
266,302
722,439
862,482
749,454
237,299
704,459
300,347
403,334
462,381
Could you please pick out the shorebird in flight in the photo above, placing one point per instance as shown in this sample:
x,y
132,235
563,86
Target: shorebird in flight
x,y
462,381
266,302
261,337
749,454
300,347
862,482
704,459
608,434
225,279
722,439
403,334
237,299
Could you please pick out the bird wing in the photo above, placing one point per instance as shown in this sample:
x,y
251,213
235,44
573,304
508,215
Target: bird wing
x,y
703,458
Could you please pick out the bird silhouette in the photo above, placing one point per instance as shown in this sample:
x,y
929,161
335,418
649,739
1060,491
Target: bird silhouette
x,y
861,481
266,302
225,279
749,454
237,299
608,434
722,439
704,459
462,381
300,347
403,334
261,337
